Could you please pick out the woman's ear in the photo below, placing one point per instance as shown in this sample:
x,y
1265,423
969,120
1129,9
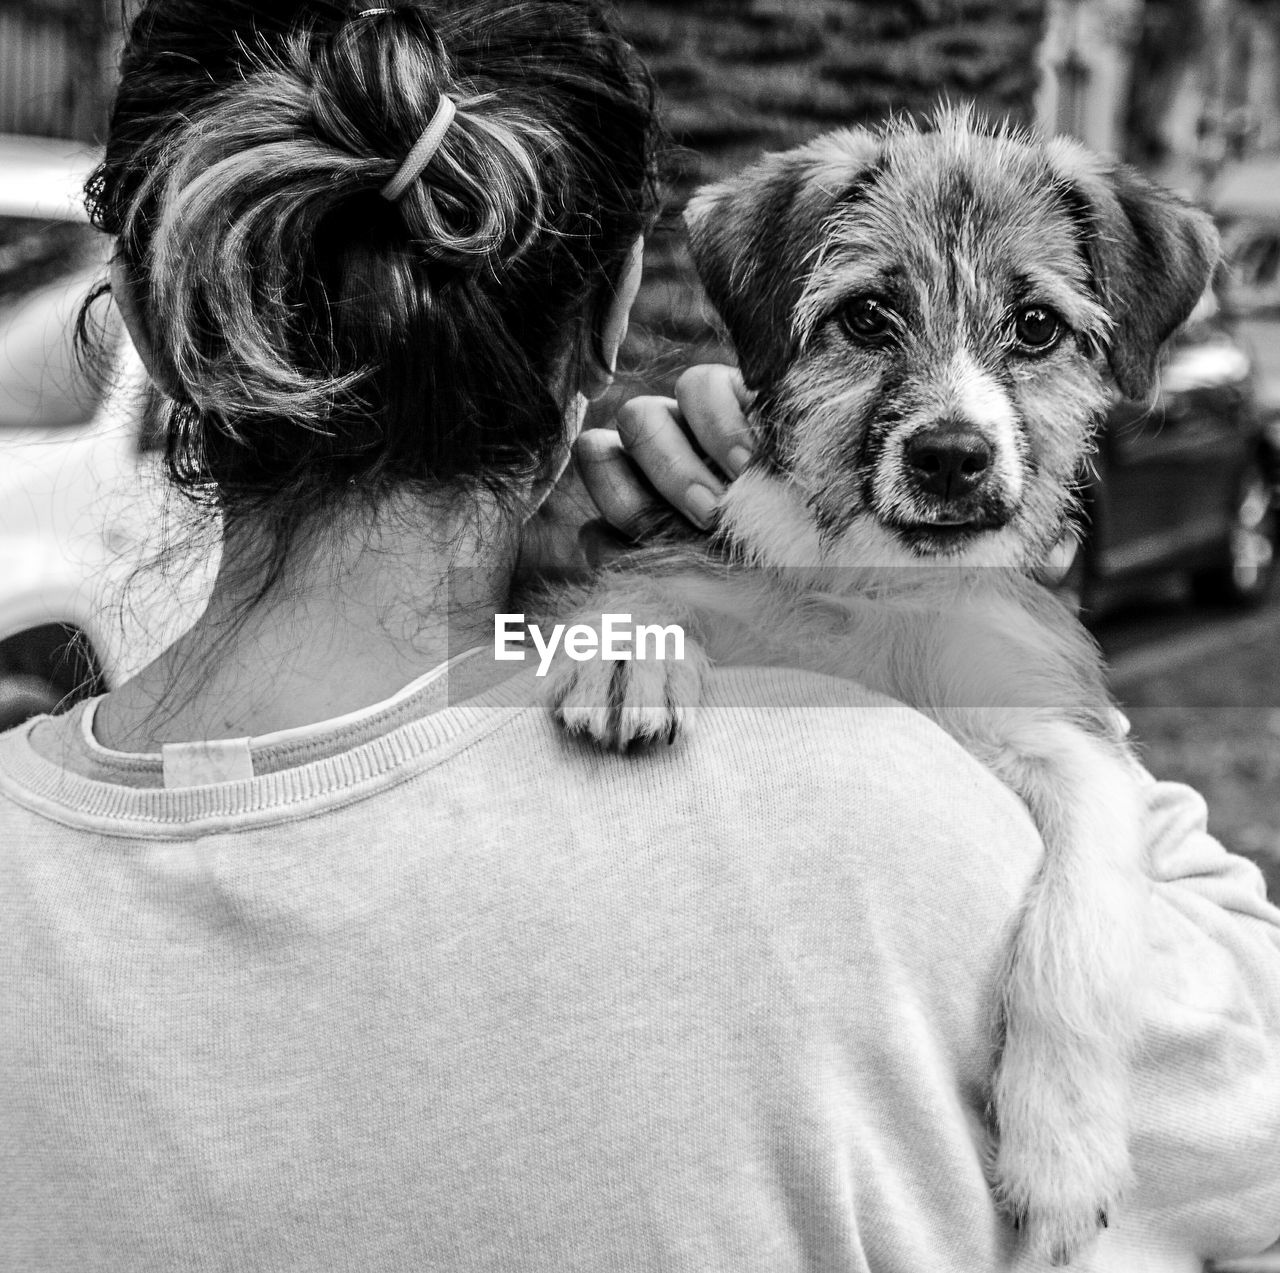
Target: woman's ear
x,y
612,325
126,290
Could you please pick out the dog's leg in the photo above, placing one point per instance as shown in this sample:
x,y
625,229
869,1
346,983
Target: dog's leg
x,y
1069,1005
637,700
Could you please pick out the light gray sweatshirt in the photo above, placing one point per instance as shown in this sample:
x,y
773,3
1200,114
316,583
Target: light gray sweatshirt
x,y
447,991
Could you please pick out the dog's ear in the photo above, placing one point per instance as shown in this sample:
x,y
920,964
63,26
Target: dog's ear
x,y
754,236
1151,255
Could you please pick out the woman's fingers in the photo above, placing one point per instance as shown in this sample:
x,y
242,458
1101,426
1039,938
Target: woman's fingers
x,y
614,483
665,449
713,402
653,435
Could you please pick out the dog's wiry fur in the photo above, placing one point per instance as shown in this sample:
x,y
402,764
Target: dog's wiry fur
x,y
866,564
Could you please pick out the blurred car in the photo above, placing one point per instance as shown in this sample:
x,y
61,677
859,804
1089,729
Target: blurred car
x,y
80,498
1245,200
1184,485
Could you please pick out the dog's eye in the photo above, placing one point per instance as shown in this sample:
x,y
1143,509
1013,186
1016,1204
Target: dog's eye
x,y
866,318
1037,328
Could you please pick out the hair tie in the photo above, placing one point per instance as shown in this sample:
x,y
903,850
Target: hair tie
x,y
423,149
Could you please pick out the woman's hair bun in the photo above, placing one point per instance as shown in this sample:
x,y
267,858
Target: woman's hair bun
x,y
480,198
323,336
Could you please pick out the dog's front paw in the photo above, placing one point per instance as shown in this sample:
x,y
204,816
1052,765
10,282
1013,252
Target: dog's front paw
x,y
618,703
1057,1228
1062,1163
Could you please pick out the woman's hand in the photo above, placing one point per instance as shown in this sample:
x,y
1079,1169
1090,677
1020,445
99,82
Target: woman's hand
x,y
652,458
664,452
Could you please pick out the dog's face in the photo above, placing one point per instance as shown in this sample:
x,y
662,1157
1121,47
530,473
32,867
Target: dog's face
x,y
929,318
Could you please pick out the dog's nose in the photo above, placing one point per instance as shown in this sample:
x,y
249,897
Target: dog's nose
x,y
949,462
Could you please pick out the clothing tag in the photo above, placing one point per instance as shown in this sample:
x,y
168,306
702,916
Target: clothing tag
x,y
203,763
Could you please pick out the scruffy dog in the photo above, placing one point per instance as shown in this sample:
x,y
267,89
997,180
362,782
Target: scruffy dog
x,y
929,317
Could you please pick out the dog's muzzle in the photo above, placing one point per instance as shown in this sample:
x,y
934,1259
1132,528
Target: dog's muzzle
x,y
949,461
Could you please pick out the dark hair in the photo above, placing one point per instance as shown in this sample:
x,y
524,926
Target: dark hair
x,y
328,341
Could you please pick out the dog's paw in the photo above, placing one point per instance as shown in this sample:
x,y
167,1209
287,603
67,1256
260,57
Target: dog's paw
x,y
620,703
1056,1230
1062,1162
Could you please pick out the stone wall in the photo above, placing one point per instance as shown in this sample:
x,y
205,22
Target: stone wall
x,y
739,77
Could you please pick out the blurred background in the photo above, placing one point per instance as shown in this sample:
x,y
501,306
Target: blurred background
x,y
1173,565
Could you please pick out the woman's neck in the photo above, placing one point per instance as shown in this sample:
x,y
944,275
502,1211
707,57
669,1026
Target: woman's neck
x,y
359,611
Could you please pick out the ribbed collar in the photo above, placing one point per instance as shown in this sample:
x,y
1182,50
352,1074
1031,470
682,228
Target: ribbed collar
x,y
125,798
